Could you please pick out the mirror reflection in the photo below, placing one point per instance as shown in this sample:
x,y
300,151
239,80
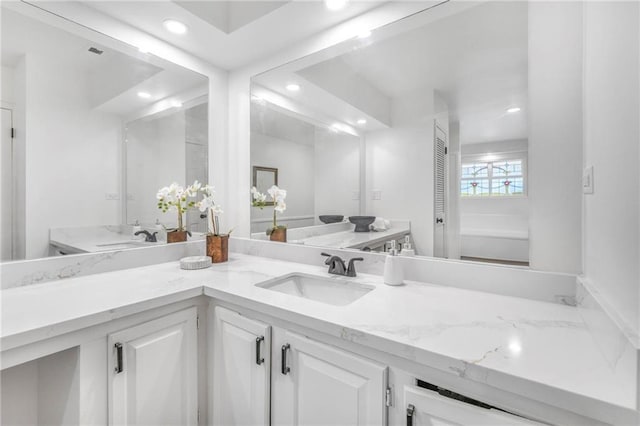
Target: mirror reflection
x,y
94,120
439,103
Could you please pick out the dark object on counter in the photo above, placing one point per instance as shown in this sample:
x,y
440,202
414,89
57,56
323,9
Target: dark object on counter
x,y
338,267
362,222
149,238
330,218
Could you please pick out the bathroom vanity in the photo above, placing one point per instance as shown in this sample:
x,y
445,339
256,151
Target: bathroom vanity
x,y
212,347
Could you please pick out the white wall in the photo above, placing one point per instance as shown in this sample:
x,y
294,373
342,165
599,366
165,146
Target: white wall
x,y
400,164
295,163
155,158
73,152
612,147
555,136
337,174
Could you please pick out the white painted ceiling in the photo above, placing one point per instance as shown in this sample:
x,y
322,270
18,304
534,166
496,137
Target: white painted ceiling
x,y
230,34
476,58
113,78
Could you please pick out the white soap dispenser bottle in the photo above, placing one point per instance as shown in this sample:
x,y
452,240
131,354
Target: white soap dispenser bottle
x,y
407,249
393,274
136,228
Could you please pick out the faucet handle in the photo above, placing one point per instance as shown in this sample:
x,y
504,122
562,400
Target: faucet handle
x,y
328,261
351,269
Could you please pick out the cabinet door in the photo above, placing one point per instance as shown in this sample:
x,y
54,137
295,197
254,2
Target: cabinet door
x,y
428,408
153,369
241,369
316,384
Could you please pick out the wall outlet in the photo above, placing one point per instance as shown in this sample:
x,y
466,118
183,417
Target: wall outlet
x,y
377,195
355,195
587,180
112,196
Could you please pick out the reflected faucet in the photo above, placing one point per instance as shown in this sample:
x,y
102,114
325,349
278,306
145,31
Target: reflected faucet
x,y
338,267
149,238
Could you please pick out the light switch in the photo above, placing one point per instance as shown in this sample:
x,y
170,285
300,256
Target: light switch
x,y
355,195
587,180
377,195
112,196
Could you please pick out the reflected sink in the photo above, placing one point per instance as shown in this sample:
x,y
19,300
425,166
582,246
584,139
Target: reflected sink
x,y
121,245
326,290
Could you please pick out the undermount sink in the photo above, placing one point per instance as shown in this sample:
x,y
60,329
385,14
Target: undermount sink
x,y
121,245
332,291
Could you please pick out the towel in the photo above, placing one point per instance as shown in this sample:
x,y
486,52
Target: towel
x,y
380,224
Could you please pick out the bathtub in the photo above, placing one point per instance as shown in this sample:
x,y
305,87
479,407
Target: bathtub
x,y
492,236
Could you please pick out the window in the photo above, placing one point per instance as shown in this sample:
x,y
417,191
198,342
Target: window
x,y
493,178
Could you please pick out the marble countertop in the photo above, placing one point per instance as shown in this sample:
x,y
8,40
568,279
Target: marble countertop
x,y
101,238
537,349
355,240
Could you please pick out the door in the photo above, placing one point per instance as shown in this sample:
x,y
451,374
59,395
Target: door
x,y
6,190
241,369
440,191
153,370
428,408
316,384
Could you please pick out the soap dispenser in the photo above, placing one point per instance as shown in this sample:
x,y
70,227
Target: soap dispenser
x,y
136,228
407,249
392,268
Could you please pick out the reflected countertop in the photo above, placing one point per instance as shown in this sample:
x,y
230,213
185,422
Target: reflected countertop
x,y
539,350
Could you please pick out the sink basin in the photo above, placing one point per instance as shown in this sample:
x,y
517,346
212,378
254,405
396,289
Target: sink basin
x,y
121,245
326,290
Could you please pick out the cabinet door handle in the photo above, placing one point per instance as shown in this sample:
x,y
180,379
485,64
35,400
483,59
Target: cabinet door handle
x,y
284,367
259,359
118,368
410,410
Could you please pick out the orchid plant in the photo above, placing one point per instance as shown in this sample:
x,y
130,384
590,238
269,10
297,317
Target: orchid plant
x,y
176,197
277,195
208,204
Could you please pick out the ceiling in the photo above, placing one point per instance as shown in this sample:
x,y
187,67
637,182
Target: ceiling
x,y
112,78
476,59
231,34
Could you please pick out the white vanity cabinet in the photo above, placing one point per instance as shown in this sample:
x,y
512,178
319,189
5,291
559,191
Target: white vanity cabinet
x,y
310,382
241,369
314,383
428,408
153,371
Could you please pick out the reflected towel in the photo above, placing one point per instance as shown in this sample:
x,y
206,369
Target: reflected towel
x,y
380,224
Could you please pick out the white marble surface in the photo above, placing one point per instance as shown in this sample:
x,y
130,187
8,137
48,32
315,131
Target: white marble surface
x,y
341,235
537,349
355,240
96,239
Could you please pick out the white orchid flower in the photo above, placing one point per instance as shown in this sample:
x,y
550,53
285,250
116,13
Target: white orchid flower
x,y
217,210
277,194
208,189
163,193
280,206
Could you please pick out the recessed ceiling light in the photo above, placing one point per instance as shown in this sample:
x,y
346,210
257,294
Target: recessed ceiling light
x,y
364,34
144,95
513,109
362,121
335,4
176,104
293,87
174,26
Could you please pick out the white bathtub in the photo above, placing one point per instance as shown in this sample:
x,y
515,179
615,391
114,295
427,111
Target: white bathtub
x,y
491,236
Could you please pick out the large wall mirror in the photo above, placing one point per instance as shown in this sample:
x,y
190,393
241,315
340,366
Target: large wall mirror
x,y
99,127
432,113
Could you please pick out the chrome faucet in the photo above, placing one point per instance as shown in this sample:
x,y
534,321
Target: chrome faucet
x,y
338,267
149,238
